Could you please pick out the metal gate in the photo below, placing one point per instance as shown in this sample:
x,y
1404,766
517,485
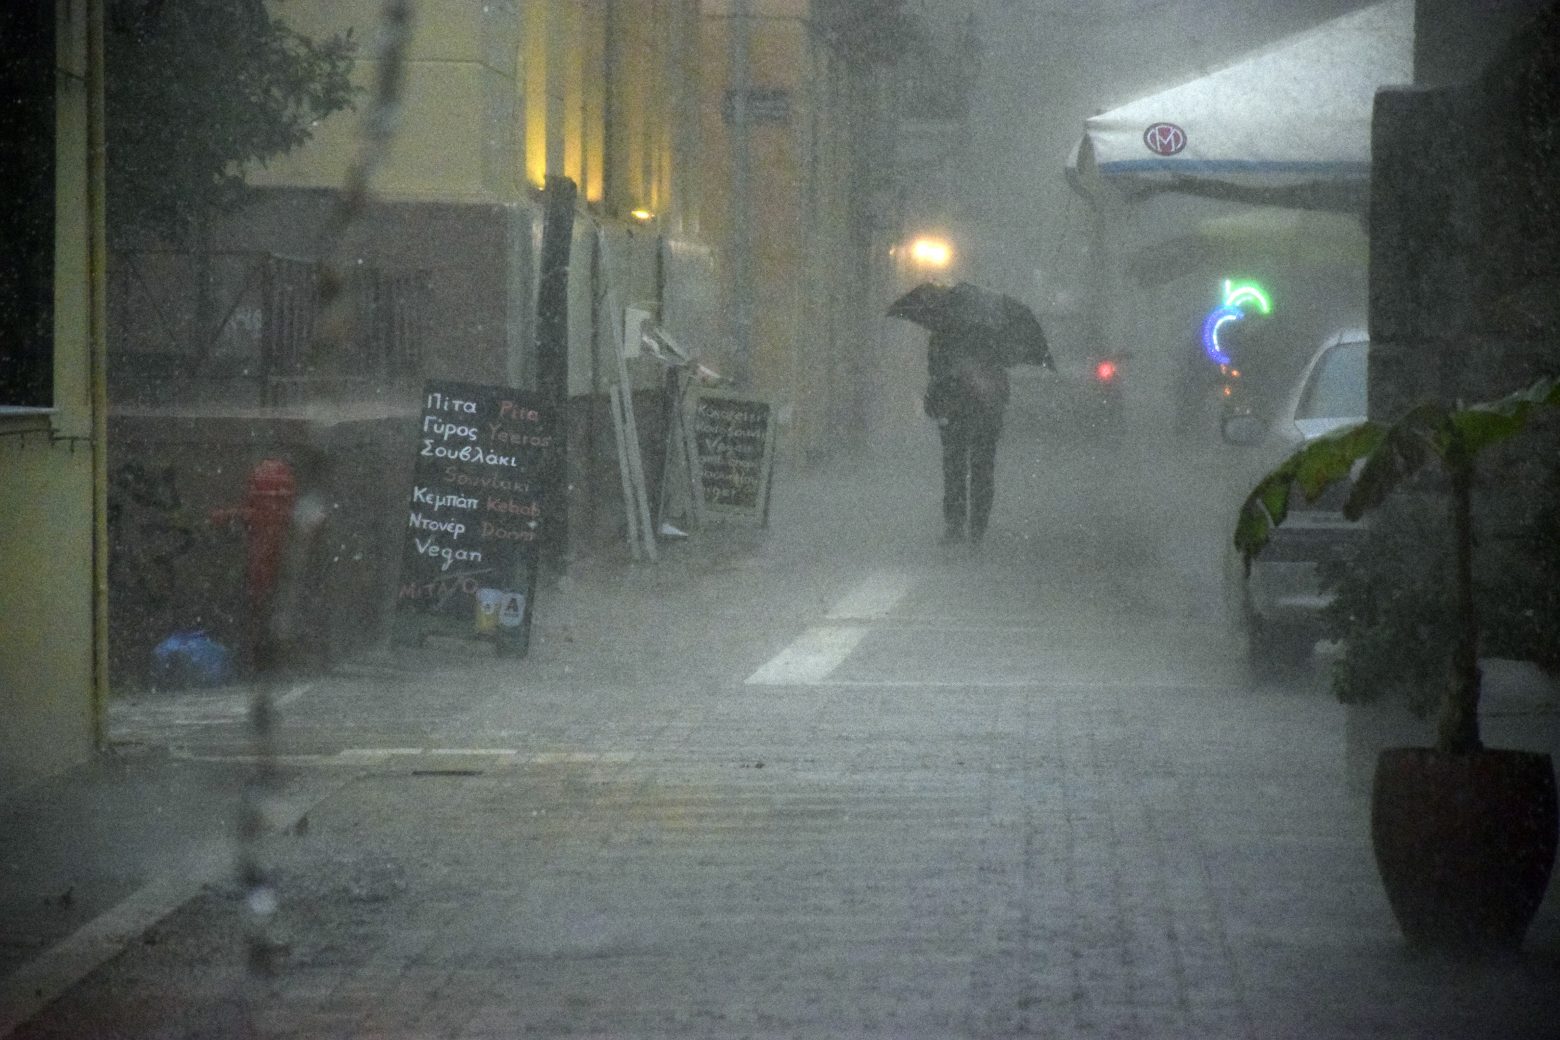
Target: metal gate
x,y
237,328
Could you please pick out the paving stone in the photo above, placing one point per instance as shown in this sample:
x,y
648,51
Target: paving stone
x,y
1061,844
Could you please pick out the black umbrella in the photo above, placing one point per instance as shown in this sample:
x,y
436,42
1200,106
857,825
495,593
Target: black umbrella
x,y
966,309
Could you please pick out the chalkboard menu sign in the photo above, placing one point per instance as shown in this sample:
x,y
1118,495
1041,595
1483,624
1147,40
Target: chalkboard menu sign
x,y
485,455
734,444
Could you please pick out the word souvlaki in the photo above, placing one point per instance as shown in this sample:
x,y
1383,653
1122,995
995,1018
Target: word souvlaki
x,y
468,453
485,482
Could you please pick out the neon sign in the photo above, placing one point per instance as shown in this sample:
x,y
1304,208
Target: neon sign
x,y
1238,296
1217,319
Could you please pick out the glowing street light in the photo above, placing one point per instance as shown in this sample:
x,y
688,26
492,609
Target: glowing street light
x,y
931,252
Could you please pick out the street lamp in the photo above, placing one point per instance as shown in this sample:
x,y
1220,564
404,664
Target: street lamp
x,y
928,251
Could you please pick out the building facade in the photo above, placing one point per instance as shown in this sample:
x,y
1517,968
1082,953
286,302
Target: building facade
x,y
53,598
741,214
705,191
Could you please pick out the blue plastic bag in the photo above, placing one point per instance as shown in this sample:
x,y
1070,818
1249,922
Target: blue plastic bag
x,y
191,658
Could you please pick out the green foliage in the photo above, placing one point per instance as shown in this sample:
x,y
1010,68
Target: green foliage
x,y
1518,549
198,90
1394,607
1411,610
1395,610
1312,469
1391,453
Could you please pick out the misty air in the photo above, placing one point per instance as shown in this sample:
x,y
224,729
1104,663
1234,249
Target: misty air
x,y
779,518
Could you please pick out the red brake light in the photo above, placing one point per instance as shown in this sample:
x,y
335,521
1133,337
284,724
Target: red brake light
x,y
1105,371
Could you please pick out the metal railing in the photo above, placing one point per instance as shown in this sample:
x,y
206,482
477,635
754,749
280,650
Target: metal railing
x,y
239,328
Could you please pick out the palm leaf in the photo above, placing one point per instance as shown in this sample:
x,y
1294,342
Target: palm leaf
x,y
1329,458
1264,509
1405,446
1392,454
1312,468
1482,425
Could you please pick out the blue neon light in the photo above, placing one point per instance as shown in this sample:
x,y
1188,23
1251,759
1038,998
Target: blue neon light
x,y
1210,332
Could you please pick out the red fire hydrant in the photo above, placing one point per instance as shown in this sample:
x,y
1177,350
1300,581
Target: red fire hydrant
x,y
269,495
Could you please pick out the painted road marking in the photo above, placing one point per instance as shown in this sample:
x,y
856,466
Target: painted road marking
x,y
374,754
811,658
47,977
293,694
359,757
501,752
550,758
1048,683
878,594
203,708
815,654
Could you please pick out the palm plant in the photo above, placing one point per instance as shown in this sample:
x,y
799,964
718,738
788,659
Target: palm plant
x,y
1392,453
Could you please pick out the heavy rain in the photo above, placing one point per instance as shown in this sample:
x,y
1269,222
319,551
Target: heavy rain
x,y
779,518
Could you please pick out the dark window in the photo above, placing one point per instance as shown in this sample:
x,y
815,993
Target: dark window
x,y
27,63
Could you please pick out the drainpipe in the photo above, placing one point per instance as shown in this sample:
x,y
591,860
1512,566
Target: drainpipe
x,y
740,37
97,346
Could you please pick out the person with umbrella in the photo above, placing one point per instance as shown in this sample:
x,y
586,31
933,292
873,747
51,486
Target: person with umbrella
x,y
975,335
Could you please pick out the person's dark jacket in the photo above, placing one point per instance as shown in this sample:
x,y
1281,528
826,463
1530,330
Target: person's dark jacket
x,y
966,379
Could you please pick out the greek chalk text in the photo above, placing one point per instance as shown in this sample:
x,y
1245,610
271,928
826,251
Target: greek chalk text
x,y
428,497
469,453
445,430
442,403
453,528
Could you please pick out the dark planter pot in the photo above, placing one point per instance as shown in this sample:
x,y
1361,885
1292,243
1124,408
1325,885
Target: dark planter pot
x,y
1464,844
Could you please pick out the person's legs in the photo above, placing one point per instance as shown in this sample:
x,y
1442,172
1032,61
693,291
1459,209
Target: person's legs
x,y
955,460
983,475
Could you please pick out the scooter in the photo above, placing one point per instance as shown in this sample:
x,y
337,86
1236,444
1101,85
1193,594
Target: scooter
x,y
1235,406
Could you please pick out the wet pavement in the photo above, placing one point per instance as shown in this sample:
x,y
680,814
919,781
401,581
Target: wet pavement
x,y
827,780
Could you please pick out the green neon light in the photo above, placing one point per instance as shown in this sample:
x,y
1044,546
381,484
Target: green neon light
x,y
1238,294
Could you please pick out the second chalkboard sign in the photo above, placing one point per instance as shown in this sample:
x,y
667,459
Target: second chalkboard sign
x,y
734,446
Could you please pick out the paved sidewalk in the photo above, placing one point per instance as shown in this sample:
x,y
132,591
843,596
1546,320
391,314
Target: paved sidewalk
x,y
627,836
